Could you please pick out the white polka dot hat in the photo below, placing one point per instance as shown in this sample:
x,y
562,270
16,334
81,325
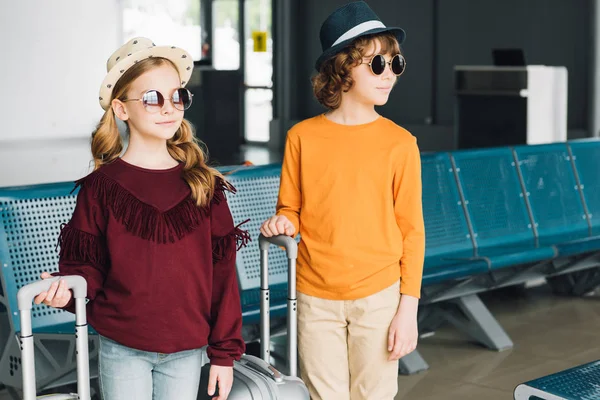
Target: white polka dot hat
x,y
136,50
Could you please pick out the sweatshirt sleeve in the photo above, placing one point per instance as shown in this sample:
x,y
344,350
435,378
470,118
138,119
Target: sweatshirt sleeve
x,y
82,243
408,209
225,343
289,201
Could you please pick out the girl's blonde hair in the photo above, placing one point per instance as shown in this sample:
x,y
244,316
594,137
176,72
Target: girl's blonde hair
x,y
107,144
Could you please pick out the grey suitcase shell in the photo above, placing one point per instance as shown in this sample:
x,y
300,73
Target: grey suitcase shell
x,y
254,378
25,298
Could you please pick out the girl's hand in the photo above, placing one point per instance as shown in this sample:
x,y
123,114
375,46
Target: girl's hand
x,y
224,377
57,296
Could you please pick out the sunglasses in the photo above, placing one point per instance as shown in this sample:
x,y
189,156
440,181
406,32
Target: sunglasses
x,y
154,101
397,64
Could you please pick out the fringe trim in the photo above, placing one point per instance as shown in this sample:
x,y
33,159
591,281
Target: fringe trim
x,y
221,187
146,221
226,246
80,246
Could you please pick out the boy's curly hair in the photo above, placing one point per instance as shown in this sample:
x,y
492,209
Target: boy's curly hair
x,y
334,76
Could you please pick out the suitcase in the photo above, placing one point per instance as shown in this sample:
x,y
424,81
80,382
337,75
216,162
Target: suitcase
x,y
25,298
254,378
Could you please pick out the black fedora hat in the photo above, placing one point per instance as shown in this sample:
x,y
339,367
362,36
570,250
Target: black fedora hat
x,y
346,24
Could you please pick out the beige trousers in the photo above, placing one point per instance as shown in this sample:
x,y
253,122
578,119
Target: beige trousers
x,y
342,346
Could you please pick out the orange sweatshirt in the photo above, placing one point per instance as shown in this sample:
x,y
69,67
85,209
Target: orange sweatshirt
x,y
353,192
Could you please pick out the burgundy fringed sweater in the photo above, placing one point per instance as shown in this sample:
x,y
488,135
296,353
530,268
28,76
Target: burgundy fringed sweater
x,y
160,271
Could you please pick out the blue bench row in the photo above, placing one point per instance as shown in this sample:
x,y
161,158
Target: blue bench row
x,y
577,383
485,211
493,217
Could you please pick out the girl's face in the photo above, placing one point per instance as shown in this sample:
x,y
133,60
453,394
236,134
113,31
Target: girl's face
x,y
369,88
153,122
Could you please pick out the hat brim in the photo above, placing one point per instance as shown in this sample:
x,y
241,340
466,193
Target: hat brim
x,y
181,58
333,50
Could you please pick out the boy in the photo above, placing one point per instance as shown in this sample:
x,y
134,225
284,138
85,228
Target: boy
x,y
351,186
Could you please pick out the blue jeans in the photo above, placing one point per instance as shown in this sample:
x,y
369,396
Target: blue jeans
x,y
130,374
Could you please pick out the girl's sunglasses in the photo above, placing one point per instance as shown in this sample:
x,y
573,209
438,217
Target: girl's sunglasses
x,y
153,100
378,63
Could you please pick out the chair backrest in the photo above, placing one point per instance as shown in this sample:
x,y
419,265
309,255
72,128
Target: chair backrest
x,y
586,158
554,197
446,229
493,197
256,198
30,219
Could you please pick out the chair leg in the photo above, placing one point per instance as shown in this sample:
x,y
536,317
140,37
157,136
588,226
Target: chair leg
x,y
412,363
471,316
13,393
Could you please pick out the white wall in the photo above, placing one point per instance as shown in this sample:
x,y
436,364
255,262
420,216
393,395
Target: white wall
x,y
52,63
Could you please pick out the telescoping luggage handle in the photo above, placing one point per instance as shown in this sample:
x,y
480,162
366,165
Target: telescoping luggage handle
x,y
291,249
25,298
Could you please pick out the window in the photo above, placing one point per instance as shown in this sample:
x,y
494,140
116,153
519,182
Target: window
x,y
172,22
226,35
258,74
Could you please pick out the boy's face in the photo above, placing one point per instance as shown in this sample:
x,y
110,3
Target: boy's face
x,y
369,88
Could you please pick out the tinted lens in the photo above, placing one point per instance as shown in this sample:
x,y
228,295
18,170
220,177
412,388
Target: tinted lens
x,y
398,64
378,64
182,99
153,101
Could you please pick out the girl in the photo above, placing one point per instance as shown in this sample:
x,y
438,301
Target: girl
x,y
360,259
153,236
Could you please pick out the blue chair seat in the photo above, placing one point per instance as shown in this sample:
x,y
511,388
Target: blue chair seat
x,y
453,270
576,247
573,243
579,382
566,237
516,254
445,267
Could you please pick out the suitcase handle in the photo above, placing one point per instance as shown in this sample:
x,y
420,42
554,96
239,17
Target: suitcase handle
x,y
25,298
291,248
290,245
260,365
27,293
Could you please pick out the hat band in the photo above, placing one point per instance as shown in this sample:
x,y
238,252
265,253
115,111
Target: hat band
x,y
359,29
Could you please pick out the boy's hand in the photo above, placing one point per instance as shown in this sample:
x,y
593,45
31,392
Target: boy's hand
x,y
224,377
404,333
277,225
57,296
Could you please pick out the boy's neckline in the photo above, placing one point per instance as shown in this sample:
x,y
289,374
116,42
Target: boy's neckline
x,y
353,126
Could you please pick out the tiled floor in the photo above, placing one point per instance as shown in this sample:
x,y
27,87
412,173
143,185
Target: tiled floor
x,y
550,333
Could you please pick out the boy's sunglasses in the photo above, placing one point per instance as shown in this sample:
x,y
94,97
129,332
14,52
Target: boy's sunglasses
x,y
153,100
378,63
